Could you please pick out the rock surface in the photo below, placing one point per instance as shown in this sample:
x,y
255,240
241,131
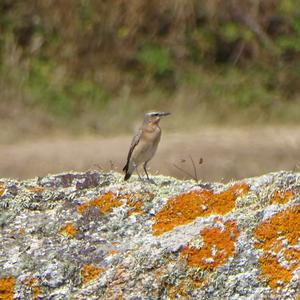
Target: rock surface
x,y
93,236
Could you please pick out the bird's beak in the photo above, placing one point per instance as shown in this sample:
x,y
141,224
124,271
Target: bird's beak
x,y
163,114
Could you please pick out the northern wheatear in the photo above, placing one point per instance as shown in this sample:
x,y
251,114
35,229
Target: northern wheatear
x,y
144,143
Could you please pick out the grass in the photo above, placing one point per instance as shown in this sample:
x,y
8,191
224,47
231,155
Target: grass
x,y
88,67
99,67
40,98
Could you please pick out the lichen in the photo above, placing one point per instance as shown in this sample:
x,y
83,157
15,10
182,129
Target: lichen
x,y
108,201
275,274
89,273
281,197
104,203
113,252
278,237
68,230
35,189
2,188
218,246
182,287
212,257
177,290
186,207
32,283
7,288
135,207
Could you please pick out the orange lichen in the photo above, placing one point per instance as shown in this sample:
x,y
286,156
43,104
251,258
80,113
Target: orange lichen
x,y
270,233
281,197
110,200
68,230
186,207
273,271
136,207
292,256
285,223
197,283
134,201
2,189
29,281
32,283
182,287
104,202
218,246
90,272
7,288
21,231
35,189
113,252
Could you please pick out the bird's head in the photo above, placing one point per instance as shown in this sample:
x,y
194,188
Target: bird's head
x,y
154,117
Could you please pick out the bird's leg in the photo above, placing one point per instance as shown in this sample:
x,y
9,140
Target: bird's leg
x,y
137,171
145,169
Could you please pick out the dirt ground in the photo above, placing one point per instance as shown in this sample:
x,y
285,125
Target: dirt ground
x,y
227,154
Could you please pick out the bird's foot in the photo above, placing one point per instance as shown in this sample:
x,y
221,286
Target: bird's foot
x,y
151,181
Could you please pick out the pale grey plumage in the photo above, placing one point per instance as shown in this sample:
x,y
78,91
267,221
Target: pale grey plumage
x,y
144,143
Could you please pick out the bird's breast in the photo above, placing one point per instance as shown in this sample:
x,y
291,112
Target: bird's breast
x,y
147,146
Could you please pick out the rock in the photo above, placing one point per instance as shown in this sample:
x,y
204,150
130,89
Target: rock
x,y
93,236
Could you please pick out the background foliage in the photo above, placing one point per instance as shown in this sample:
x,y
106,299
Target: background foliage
x,y
93,65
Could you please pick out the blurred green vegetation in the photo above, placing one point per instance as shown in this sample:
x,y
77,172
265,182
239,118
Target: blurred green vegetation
x,y
87,65
155,60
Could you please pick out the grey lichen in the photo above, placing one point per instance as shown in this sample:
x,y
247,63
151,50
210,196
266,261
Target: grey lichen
x,y
57,231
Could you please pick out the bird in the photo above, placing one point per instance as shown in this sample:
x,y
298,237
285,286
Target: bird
x,y
144,144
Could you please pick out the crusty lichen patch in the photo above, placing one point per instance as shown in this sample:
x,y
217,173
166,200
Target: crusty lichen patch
x,y
104,202
278,237
2,188
281,197
181,289
208,257
89,273
32,283
186,207
7,288
135,206
108,201
68,230
218,246
35,189
178,290
113,252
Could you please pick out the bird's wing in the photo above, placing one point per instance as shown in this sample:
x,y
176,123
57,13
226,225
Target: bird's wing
x,y
134,142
